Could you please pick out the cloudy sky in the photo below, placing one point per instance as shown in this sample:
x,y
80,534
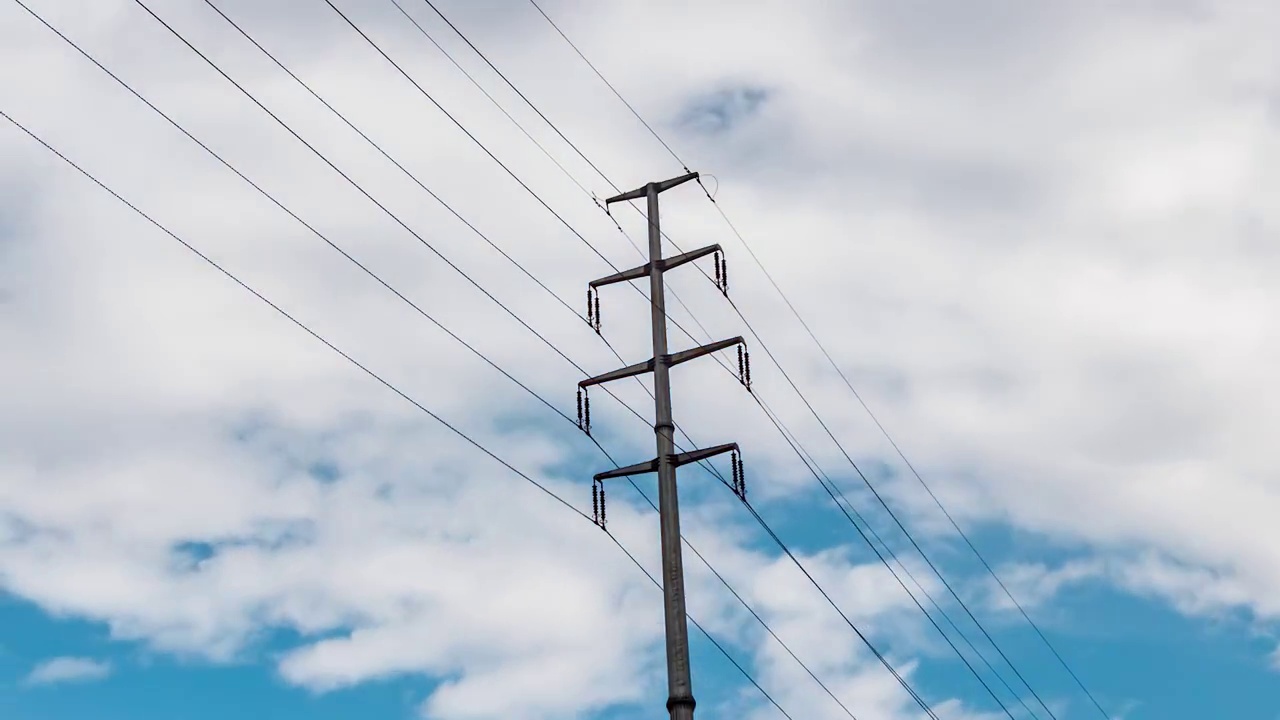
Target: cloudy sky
x,y
1035,238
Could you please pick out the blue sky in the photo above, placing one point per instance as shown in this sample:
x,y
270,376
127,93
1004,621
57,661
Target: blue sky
x,y
1034,239
1127,650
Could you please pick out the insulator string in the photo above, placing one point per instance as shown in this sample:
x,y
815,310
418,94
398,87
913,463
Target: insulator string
x,y
742,481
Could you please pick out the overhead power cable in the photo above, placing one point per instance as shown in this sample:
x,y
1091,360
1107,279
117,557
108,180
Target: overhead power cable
x,y
525,98
884,431
366,370
449,332
596,168
379,204
528,189
594,199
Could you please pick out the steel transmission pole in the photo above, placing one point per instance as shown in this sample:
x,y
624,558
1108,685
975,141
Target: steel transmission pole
x,y
680,702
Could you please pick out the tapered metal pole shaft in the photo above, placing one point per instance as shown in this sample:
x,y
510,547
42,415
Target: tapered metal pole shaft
x,y
680,701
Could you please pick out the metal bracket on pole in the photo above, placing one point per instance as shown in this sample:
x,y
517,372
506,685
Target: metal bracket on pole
x,y
676,460
642,272
641,368
658,187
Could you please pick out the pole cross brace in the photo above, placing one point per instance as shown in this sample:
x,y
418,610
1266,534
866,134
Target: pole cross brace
x,y
639,273
667,360
676,460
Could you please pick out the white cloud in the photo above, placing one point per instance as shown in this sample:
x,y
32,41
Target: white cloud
x,y
1038,239
68,669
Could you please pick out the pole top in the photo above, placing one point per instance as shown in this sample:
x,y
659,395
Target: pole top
x,y
658,187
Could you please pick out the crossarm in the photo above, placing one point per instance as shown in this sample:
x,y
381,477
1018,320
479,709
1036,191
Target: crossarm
x,y
677,460
637,369
678,260
695,455
697,352
637,469
660,187
632,274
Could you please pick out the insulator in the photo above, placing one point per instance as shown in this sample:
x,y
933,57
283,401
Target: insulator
x,y
602,510
719,276
579,408
586,414
733,464
742,480
597,309
595,501
591,318
747,356
724,278
742,375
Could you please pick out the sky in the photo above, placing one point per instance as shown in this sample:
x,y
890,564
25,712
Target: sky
x,y
1034,238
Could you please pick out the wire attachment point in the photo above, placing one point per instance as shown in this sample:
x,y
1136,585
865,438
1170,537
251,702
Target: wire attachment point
x,y
722,274
593,309
598,503
584,411
739,477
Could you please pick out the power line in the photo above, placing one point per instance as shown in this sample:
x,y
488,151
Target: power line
x,y
364,192
212,263
528,189
609,85
828,486
430,318
776,422
496,104
252,98
471,78
845,379
412,177
911,538
576,149
517,91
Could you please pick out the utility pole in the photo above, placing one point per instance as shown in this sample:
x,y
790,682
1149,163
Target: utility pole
x,y
680,702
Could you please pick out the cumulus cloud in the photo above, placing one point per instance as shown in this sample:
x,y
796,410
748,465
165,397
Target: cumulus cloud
x,y
1036,238
68,669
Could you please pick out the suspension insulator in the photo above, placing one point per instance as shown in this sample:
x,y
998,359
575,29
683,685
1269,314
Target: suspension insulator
x,y
597,310
724,278
595,501
602,510
591,317
719,274
579,408
586,414
742,481
742,375
733,465
747,357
